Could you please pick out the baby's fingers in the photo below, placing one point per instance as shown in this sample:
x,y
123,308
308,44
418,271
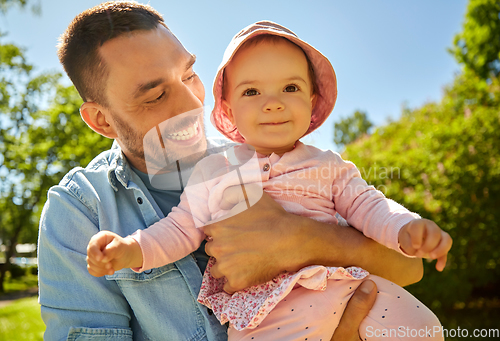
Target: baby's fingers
x,y
98,243
431,242
443,247
441,263
417,232
113,250
441,251
99,269
94,249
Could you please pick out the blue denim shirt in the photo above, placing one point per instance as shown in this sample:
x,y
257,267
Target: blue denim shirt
x,y
159,304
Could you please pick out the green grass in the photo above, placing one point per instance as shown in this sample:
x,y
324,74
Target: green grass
x,y
21,321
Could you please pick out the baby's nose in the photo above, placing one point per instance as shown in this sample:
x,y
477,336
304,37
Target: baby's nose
x,y
273,104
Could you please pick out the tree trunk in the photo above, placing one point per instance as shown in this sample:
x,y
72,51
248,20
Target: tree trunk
x,y
8,254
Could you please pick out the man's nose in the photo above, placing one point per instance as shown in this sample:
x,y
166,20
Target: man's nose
x,y
185,100
273,103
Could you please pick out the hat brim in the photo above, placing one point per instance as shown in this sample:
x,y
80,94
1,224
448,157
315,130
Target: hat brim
x,y
326,80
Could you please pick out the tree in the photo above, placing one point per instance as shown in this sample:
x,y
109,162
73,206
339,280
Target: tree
x,y
442,160
351,128
477,47
37,147
5,5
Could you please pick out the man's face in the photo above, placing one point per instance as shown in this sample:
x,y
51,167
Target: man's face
x,y
150,81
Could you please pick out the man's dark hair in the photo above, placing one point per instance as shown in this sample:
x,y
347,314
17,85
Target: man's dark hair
x,y
79,44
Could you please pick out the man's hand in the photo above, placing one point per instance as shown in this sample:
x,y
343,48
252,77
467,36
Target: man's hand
x,y
108,252
424,239
358,307
250,246
264,240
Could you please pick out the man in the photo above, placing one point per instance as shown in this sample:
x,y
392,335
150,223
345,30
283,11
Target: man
x,y
133,75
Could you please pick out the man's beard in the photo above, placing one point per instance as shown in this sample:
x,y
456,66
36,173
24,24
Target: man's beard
x,y
158,157
131,139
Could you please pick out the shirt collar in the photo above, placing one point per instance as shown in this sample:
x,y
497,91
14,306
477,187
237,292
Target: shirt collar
x,y
119,169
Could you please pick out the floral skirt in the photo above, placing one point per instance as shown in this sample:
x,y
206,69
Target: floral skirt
x,y
248,308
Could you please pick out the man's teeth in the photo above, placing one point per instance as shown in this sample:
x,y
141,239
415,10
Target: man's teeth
x,y
185,134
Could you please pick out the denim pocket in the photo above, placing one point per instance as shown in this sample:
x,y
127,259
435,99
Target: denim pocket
x,y
99,334
162,303
148,275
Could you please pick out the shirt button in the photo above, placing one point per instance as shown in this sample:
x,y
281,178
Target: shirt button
x,y
266,167
210,312
139,200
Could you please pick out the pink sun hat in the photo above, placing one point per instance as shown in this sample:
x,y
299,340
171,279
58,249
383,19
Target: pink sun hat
x,y
326,81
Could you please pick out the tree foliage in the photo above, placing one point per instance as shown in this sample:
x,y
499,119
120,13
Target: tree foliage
x,y
38,148
442,160
5,5
351,128
477,47
42,137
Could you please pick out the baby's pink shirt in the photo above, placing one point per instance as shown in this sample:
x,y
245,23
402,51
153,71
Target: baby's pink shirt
x,y
305,181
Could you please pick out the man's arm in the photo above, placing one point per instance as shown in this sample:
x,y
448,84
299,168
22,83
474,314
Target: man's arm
x,y
69,296
267,241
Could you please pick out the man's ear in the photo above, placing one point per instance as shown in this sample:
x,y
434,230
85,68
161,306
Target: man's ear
x,y
97,119
226,109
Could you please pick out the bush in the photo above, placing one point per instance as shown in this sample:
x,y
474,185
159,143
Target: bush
x,y
16,271
444,162
33,270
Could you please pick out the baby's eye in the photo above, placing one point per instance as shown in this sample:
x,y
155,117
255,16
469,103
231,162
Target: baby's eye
x,y
291,88
250,92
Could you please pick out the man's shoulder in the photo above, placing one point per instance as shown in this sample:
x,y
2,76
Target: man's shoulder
x,y
94,173
88,187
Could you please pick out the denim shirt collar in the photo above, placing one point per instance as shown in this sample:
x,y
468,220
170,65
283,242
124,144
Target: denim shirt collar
x,y
119,169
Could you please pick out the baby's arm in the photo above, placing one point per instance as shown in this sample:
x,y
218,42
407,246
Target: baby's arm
x,y
168,240
384,220
423,238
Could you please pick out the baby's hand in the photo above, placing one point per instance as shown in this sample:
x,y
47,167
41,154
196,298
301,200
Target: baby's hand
x,y
107,252
423,238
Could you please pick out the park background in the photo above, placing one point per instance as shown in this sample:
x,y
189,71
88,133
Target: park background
x,y
417,111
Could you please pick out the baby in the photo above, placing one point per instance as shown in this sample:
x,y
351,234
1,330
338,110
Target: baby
x,y
271,90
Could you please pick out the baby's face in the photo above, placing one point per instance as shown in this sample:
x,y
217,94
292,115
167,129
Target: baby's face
x,y
269,95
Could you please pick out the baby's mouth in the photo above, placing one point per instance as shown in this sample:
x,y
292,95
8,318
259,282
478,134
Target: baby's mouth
x,y
274,123
185,134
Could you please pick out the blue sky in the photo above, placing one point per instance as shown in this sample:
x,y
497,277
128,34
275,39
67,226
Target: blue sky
x,y
385,53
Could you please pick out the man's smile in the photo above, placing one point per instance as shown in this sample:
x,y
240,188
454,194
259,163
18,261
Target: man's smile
x,y
185,134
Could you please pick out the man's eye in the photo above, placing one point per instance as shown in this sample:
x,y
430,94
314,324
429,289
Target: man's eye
x,y
190,78
157,99
291,88
250,92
